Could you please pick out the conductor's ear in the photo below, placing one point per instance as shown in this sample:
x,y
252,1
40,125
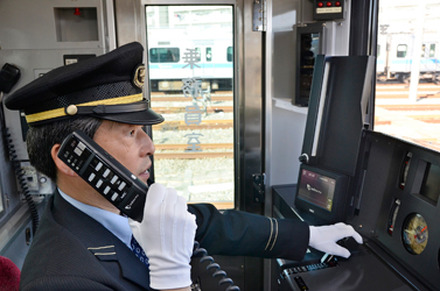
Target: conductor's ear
x,y
61,166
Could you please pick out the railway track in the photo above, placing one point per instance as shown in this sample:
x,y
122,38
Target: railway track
x,y
174,104
411,107
184,151
209,109
180,147
193,155
415,120
426,108
221,100
205,124
181,98
399,91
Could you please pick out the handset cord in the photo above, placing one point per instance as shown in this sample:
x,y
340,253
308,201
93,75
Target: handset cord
x,y
214,268
19,173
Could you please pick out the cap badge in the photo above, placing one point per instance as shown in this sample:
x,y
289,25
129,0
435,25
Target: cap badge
x,y
139,76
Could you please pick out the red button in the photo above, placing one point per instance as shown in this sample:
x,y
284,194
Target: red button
x,y
320,4
337,3
329,4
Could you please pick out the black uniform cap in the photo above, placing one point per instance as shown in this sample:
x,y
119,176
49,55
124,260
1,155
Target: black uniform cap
x,y
107,87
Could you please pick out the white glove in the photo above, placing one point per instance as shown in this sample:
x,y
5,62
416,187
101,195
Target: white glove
x,y
166,234
324,238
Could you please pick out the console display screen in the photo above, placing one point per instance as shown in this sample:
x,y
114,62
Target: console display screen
x,y
317,189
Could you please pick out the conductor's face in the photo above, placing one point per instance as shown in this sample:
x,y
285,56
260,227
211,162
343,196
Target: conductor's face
x,y
129,144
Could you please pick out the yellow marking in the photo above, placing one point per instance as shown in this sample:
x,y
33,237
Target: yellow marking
x,y
59,112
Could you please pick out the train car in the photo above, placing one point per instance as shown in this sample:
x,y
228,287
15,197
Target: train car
x,y
276,145
396,53
189,40
168,61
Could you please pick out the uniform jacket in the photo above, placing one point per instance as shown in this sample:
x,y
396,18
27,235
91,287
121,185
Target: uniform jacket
x,y
72,251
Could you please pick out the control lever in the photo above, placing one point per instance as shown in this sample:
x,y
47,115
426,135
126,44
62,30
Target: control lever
x,y
304,158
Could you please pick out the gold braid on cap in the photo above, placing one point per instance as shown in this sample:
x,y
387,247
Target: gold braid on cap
x,y
72,108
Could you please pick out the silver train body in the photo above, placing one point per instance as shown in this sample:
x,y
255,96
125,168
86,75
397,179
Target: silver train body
x,y
174,60
396,52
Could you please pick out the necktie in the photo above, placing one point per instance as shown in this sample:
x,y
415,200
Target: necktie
x,y
138,251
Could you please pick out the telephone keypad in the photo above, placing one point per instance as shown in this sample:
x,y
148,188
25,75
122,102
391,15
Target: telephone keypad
x,y
99,183
105,174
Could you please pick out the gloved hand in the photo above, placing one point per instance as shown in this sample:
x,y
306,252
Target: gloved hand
x,y
324,238
166,234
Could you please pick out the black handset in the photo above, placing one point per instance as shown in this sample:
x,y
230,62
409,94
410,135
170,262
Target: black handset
x,y
105,174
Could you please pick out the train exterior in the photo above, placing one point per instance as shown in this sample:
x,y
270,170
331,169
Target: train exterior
x,y
209,58
396,52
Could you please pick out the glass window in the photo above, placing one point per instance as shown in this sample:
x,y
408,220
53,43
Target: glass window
x,y
408,84
199,54
423,53
195,144
432,50
164,55
208,54
401,50
229,54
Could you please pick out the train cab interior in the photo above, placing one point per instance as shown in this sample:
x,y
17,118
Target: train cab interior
x,y
321,111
